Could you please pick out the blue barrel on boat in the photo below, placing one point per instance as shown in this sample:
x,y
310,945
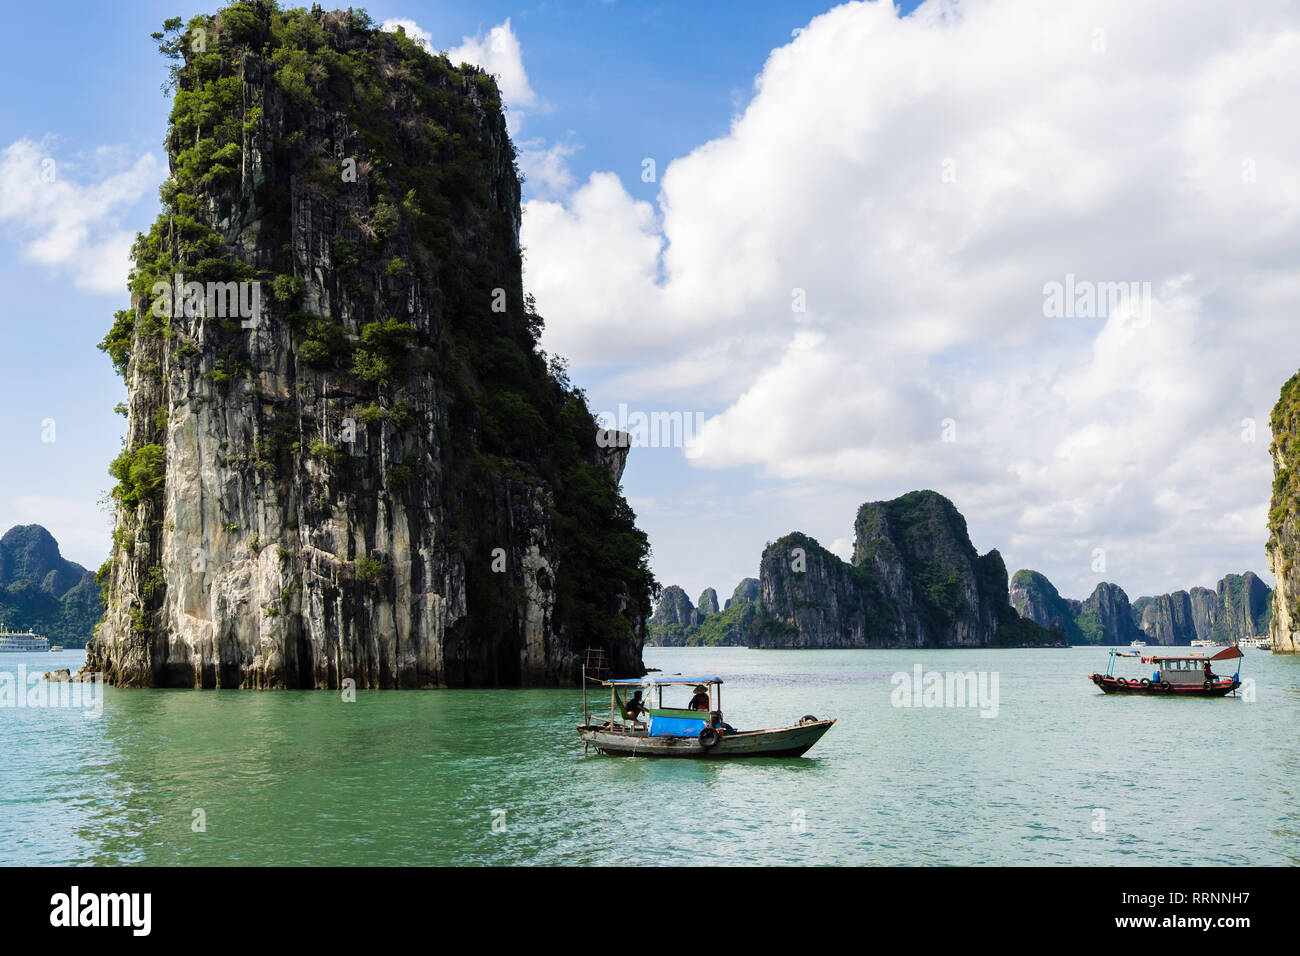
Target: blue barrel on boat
x,y
677,723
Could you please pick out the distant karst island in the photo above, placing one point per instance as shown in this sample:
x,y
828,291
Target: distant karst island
x,y
914,580
42,591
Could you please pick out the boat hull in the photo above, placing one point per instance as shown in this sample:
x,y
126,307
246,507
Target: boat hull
x,y
1119,685
793,741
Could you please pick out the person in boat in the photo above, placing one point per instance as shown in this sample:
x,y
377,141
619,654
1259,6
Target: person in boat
x,y
635,707
701,699
1209,672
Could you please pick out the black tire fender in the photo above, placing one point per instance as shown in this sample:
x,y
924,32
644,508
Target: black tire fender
x,y
708,738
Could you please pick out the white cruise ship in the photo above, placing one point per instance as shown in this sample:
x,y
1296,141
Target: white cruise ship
x,y
13,642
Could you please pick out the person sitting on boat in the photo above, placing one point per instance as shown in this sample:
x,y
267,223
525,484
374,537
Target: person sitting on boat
x,y
701,699
635,707
1209,672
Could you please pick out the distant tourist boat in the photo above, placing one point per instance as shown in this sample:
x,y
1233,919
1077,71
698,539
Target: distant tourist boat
x,y
1263,643
1137,643
1207,643
11,642
1181,675
686,732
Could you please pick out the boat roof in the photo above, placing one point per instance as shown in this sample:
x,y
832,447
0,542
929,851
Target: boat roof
x,y
660,681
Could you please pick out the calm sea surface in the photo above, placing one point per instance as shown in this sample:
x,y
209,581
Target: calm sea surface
x,y
1062,773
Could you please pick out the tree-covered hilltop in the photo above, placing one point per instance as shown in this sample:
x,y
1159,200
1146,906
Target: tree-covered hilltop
x,y
42,591
380,475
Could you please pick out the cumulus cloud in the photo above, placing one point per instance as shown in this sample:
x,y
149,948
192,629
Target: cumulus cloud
x,y
411,29
915,185
72,228
499,53
546,168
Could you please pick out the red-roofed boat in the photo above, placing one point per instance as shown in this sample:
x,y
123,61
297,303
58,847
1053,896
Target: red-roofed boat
x,y
1175,675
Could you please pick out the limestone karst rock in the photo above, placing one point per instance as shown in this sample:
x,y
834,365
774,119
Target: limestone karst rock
x,y
915,580
1238,607
346,457
1284,519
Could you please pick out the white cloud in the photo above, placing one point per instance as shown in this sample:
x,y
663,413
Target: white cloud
x,y
500,55
411,29
69,227
920,180
546,168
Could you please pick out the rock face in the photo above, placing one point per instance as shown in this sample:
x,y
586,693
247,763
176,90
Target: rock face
x,y
1284,519
373,475
708,603
1167,618
915,581
1237,608
1106,617
1245,605
43,591
673,617
746,591
1036,599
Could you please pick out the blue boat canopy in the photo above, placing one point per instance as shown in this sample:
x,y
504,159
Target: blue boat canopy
x,y
661,681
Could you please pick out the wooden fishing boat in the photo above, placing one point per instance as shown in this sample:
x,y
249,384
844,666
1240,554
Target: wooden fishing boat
x,y
637,729
1175,675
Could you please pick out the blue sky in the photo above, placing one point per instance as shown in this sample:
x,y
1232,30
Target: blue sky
x,y
921,177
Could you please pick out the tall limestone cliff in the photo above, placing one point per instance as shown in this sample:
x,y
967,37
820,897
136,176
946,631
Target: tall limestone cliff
x,y
345,456
1284,519
915,580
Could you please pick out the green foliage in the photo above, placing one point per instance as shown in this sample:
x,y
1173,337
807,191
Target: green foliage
x,y
402,414
288,289
402,476
326,453
370,569
140,474
383,351
117,343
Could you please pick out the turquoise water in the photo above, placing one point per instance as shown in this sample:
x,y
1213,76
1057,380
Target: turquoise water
x,y
422,777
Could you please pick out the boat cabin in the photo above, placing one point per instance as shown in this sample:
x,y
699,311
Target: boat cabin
x,y
659,720
1189,669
